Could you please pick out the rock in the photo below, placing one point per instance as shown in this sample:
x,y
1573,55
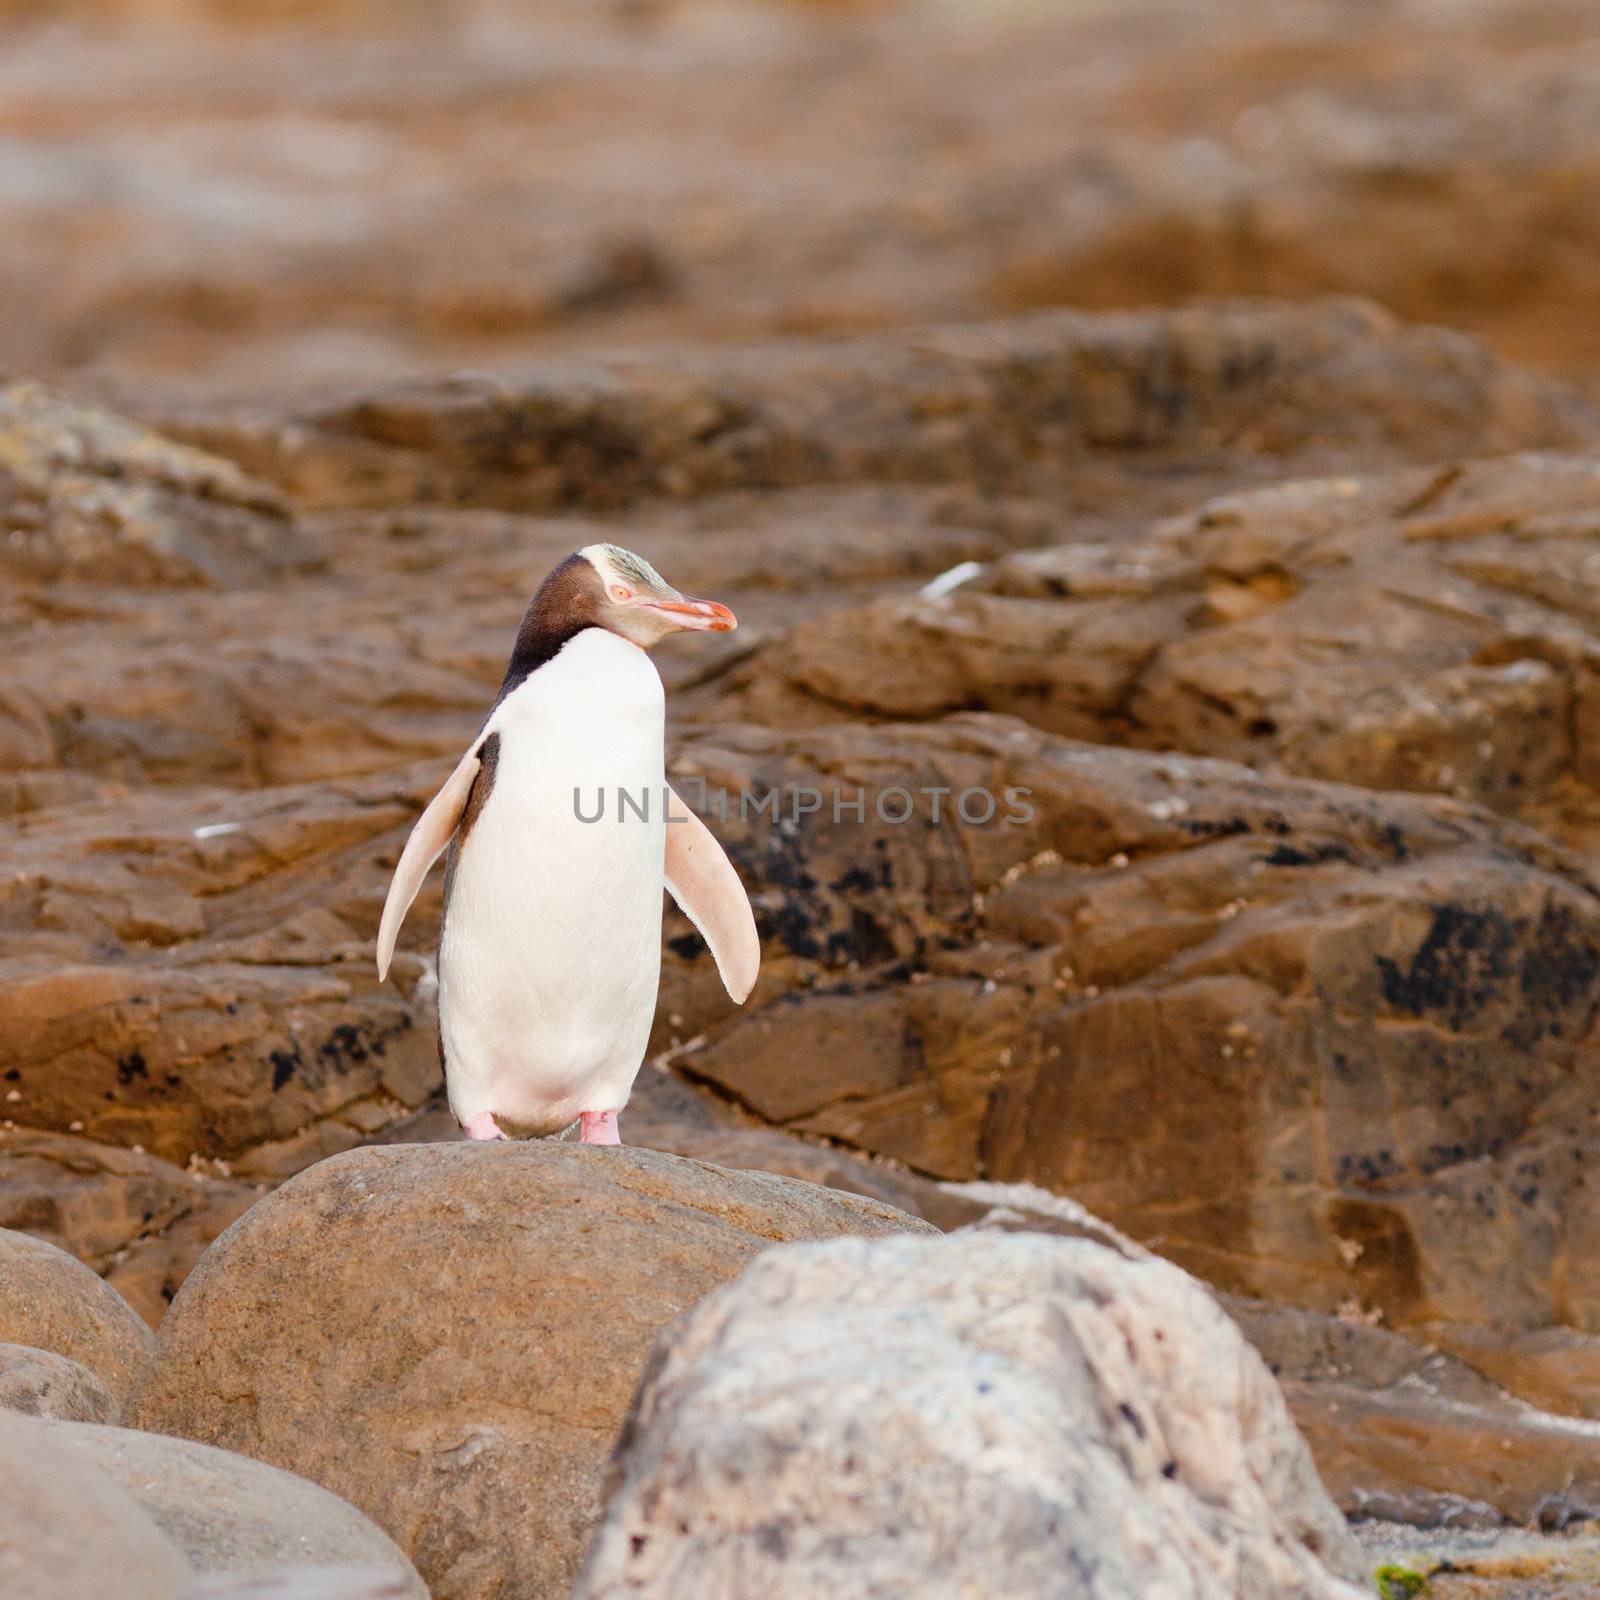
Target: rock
x,y
1317,1044
69,1532
1255,149
217,694
52,1302
1403,1431
1010,1415
39,1383
86,495
804,507
1327,170
191,972
1006,406
1412,631
479,1317
140,1222
1553,1369
1397,1426
229,1514
1408,1457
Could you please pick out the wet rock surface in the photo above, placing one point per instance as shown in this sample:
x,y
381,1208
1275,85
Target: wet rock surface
x,y
480,1316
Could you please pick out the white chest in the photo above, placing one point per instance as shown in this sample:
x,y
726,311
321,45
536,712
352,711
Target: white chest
x,y
551,951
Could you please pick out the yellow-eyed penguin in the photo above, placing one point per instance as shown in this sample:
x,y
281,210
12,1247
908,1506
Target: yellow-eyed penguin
x,y
550,953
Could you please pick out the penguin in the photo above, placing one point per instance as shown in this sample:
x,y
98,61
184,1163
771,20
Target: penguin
x,y
562,833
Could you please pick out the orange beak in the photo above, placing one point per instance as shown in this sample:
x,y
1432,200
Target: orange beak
x,y
700,616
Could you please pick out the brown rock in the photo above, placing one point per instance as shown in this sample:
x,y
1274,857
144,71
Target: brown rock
x,y
1403,1431
219,687
1015,405
1553,1369
229,1514
855,468
140,1222
1410,1457
191,972
217,693
1317,1044
1445,167
68,1531
39,1383
53,1302
1018,1415
86,495
1424,631
479,1316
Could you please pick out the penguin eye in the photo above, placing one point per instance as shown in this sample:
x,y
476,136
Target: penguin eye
x,y
620,591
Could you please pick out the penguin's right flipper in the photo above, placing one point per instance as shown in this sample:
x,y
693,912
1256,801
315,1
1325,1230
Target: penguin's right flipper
x,y
428,839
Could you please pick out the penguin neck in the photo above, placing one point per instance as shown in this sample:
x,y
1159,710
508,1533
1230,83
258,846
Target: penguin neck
x,y
536,645
563,607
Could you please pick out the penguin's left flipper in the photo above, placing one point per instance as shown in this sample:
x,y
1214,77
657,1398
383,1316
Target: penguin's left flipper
x,y
702,880
428,839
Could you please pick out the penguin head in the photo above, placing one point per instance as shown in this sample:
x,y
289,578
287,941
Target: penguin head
x,y
634,600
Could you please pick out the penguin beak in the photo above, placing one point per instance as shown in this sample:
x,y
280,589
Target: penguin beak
x,y
699,616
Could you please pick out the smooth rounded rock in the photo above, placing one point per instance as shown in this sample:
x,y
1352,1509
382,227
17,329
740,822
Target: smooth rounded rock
x,y
39,1383
448,1335
67,1532
229,1514
51,1301
1013,1416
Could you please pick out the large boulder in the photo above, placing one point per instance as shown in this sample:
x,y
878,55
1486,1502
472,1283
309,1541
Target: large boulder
x,y
51,1301
1320,1044
39,1383
68,1533
229,1514
447,1336
981,1415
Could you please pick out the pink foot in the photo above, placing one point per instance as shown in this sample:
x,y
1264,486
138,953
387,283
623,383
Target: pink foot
x,y
598,1127
482,1126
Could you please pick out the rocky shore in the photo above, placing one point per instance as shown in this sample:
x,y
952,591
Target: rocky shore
x,y
1181,1183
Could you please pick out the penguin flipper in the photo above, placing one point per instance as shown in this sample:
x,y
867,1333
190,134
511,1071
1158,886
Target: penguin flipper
x,y
428,839
702,880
